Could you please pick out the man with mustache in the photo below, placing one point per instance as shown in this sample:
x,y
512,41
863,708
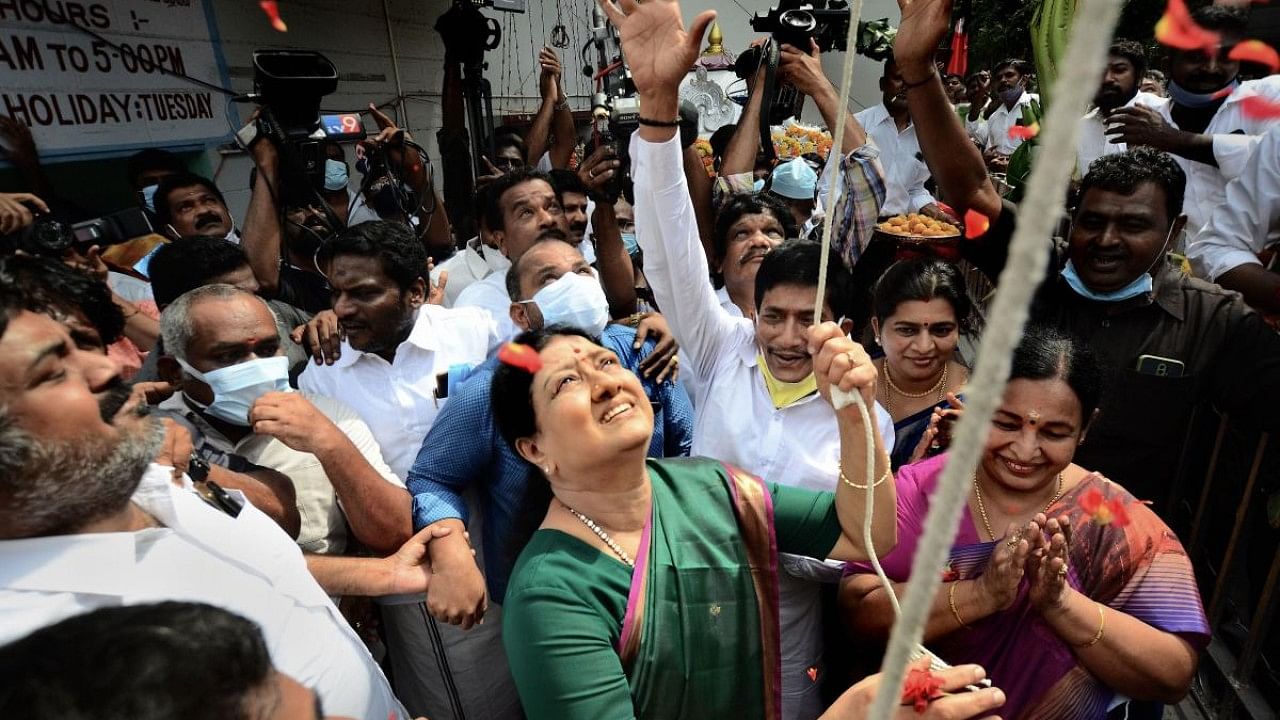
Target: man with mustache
x,y
94,511
523,208
1011,77
1173,342
82,304
1203,125
187,205
1126,66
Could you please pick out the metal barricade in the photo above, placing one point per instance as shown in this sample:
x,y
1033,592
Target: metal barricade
x,y
1230,541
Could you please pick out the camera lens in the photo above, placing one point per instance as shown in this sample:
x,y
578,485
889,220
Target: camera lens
x,y
798,21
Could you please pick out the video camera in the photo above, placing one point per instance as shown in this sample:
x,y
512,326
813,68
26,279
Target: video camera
x,y
51,238
794,23
288,84
615,109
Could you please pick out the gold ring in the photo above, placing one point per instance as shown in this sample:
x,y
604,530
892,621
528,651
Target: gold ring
x,y
1062,571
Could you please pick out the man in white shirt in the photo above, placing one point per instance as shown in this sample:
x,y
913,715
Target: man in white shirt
x,y
337,470
1204,126
389,371
1126,66
522,208
134,532
757,406
1011,91
1226,249
889,126
475,261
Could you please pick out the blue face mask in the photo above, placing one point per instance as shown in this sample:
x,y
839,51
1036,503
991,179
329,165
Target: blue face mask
x,y
1011,95
1186,98
149,196
629,242
335,175
1141,284
237,387
576,300
1144,283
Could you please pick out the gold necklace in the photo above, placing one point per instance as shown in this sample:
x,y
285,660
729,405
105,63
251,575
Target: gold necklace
x,y
600,533
939,387
982,509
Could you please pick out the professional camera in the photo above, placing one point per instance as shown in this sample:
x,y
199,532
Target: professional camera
x,y
794,23
51,238
288,84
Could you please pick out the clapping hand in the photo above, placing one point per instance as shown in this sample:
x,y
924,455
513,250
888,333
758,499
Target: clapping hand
x,y
1048,563
1007,565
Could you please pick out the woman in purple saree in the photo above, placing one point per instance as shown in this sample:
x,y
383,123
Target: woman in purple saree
x,y
1086,599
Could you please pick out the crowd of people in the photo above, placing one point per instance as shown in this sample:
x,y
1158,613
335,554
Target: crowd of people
x,y
330,460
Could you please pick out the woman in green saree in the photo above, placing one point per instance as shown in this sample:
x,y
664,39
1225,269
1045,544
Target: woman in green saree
x,y
649,589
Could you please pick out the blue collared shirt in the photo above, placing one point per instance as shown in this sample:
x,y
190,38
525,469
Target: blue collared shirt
x,y
464,452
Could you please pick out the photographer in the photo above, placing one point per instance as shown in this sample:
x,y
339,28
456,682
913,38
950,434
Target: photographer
x,y
393,163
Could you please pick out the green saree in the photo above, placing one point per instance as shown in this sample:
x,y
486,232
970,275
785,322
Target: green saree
x,y
692,631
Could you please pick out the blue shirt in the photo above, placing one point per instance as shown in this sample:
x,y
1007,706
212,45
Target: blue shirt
x,y
464,452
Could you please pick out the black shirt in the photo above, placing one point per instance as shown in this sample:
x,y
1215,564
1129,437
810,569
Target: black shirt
x,y
1231,358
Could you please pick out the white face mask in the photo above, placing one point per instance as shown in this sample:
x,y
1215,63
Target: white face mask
x,y
237,387
576,300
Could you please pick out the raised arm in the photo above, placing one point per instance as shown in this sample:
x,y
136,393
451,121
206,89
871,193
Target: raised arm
x,y
804,70
552,126
262,234
956,163
617,275
840,362
740,154
660,53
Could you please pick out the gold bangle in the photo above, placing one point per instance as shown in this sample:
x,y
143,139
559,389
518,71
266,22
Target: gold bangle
x,y
951,600
856,486
1102,626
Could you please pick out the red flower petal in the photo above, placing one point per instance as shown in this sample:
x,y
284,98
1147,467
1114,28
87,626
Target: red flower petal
x,y
920,688
1024,132
1256,51
1177,30
1091,500
1260,108
272,9
1119,513
975,224
520,356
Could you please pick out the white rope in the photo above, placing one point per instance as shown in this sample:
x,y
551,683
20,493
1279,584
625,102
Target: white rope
x,y
1046,192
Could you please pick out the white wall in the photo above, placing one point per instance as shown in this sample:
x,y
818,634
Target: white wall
x,y
353,34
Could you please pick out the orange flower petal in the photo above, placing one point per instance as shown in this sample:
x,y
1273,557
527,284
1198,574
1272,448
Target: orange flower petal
x,y
1176,29
272,9
520,356
1024,132
1260,108
1256,51
975,224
